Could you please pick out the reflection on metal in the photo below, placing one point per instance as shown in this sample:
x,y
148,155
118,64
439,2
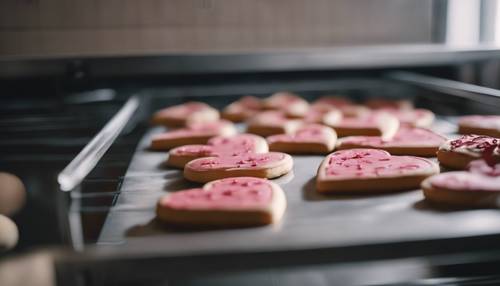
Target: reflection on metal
x,y
356,57
99,95
481,94
86,160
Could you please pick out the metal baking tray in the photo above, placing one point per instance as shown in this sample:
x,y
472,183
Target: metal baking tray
x,y
316,228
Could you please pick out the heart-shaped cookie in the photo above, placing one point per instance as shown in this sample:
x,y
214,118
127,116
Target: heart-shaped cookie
x,y
458,153
386,103
194,133
266,165
183,114
216,147
316,113
413,117
242,109
371,170
480,124
239,201
344,105
272,122
407,141
293,105
308,139
375,124
479,187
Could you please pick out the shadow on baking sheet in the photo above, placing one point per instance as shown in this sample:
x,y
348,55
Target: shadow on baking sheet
x,y
176,183
424,205
156,227
309,193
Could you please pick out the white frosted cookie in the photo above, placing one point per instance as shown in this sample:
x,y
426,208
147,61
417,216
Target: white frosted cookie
x,y
458,153
231,202
195,133
308,139
266,165
477,188
184,114
480,124
291,104
272,122
217,147
406,141
371,171
376,124
242,109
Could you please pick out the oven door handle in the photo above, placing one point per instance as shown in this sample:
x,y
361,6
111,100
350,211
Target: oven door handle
x,y
90,155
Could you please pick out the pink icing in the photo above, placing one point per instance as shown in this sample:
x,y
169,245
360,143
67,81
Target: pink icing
x,y
466,181
474,143
333,101
206,126
481,121
221,146
358,122
247,105
184,110
309,133
195,129
280,98
231,193
194,150
381,103
182,133
244,161
409,116
272,118
482,167
404,137
371,163
250,102
316,112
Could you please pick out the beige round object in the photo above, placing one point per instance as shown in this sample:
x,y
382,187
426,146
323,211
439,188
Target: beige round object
x,y
9,234
34,268
12,194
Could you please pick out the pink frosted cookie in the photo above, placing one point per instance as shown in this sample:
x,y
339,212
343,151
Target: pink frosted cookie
x,y
413,117
309,139
183,114
333,101
458,153
242,109
293,105
376,124
480,187
344,105
194,133
270,123
383,103
406,141
371,170
217,147
266,165
316,113
480,124
231,202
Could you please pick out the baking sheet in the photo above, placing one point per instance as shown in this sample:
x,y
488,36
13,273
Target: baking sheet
x,y
311,221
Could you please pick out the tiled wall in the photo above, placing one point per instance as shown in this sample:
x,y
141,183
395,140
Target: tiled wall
x,y
93,27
